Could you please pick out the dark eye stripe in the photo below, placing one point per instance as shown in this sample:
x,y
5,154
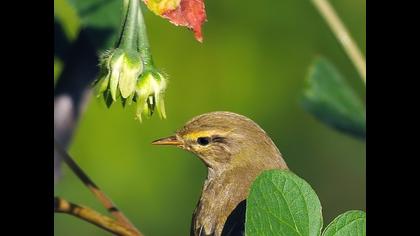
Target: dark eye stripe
x,y
218,139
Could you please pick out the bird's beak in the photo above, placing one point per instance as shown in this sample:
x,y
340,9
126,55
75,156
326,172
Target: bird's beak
x,y
171,140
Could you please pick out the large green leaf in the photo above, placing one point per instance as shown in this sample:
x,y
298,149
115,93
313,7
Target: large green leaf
x,y
350,223
100,19
281,203
332,100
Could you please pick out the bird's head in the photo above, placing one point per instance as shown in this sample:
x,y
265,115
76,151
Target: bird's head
x,y
226,140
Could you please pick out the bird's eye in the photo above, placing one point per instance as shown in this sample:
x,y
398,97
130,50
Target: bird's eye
x,y
203,141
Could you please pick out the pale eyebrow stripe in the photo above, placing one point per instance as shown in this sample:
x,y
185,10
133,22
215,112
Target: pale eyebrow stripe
x,y
207,133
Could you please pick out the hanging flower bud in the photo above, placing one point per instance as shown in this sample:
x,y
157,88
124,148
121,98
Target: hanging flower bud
x,y
127,71
120,69
150,91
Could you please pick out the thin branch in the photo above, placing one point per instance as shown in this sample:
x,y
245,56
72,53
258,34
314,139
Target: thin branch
x,y
63,206
340,31
106,201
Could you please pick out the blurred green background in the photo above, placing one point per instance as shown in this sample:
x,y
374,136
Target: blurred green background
x,y
253,61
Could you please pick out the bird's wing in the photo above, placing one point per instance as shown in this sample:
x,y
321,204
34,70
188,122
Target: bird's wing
x,y
235,223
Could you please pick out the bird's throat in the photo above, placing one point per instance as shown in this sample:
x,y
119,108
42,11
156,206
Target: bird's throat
x,y
222,192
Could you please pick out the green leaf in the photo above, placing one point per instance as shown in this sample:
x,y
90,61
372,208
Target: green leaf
x,y
350,223
68,18
329,98
100,19
281,203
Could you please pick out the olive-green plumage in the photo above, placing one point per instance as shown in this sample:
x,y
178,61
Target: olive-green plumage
x,y
235,150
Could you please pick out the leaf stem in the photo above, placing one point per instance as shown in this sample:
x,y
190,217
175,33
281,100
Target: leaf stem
x,y
123,19
130,27
340,31
142,41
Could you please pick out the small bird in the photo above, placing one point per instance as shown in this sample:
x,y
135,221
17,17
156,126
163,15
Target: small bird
x,y
235,150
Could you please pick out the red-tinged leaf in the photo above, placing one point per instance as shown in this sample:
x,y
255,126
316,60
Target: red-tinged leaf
x,y
189,13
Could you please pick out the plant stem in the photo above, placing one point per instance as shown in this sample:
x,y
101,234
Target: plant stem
x,y
63,206
124,10
106,202
142,41
130,27
340,31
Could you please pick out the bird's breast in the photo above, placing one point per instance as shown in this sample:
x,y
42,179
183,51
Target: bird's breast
x,y
219,199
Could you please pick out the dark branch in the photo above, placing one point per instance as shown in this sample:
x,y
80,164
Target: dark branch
x,y
91,216
106,202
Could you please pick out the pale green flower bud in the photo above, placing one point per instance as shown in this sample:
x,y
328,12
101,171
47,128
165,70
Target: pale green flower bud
x,y
120,69
150,91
